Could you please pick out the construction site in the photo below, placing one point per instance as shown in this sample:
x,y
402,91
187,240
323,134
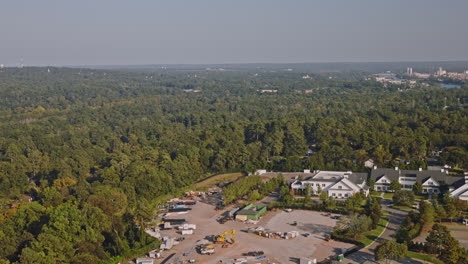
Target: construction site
x,y
200,232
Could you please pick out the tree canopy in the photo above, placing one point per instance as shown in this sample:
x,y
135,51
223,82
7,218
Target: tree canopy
x,y
101,146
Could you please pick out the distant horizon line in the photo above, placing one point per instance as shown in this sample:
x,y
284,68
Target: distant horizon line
x,y
226,63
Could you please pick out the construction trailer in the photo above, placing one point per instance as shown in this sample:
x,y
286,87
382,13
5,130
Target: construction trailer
x,y
144,261
187,226
187,232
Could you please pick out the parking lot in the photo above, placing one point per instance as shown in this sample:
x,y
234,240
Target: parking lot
x,y
276,250
457,230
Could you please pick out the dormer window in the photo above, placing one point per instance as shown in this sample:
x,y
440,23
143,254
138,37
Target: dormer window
x,y
384,181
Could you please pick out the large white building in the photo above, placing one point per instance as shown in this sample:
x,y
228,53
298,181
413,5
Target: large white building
x,y
337,184
432,181
343,184
460,190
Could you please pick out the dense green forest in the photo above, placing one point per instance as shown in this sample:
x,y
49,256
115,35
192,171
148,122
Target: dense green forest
x,y
95,148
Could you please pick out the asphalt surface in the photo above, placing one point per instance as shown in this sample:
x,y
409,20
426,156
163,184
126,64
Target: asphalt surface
x,y
367,255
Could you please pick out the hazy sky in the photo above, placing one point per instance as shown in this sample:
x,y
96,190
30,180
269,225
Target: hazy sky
x,y
107,32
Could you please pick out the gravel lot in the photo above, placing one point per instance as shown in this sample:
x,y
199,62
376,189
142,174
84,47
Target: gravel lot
x,y
277,251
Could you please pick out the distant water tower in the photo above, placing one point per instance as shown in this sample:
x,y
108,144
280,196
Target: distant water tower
x,y
2,66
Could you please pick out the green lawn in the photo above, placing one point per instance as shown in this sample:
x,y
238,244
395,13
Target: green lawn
x,y
420,197
425,257
370,236
225,177
388,195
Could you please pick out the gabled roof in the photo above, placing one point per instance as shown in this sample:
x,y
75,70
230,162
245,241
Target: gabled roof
x,y
383,177
421,176
333,187
464,194
350,185
350,179
358,177
460,190
391,174
426,180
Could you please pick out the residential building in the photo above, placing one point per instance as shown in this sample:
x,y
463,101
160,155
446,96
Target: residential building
x,y
343,184
337,184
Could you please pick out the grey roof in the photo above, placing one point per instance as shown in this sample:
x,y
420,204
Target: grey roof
x,y
247,212
460,182
321,179
421,176
355,177
250,209
358,177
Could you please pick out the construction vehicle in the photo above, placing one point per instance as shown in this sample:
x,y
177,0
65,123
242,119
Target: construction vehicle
x,y
224,238
206,249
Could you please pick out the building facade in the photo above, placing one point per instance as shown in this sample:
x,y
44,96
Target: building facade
x,y
343,184
251,211
337,184
433,182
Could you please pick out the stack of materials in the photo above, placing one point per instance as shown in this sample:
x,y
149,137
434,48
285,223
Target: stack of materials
x,y
168,243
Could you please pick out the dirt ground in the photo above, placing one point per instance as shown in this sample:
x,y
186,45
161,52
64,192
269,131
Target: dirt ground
x,y
458,231
277,251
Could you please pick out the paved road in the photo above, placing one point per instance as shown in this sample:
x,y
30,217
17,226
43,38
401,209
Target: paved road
x,y
272,197
366,255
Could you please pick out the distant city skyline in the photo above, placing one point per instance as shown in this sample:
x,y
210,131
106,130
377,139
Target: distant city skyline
x,y
63,33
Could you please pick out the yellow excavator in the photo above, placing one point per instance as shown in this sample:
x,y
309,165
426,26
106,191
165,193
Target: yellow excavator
x,y
226,237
